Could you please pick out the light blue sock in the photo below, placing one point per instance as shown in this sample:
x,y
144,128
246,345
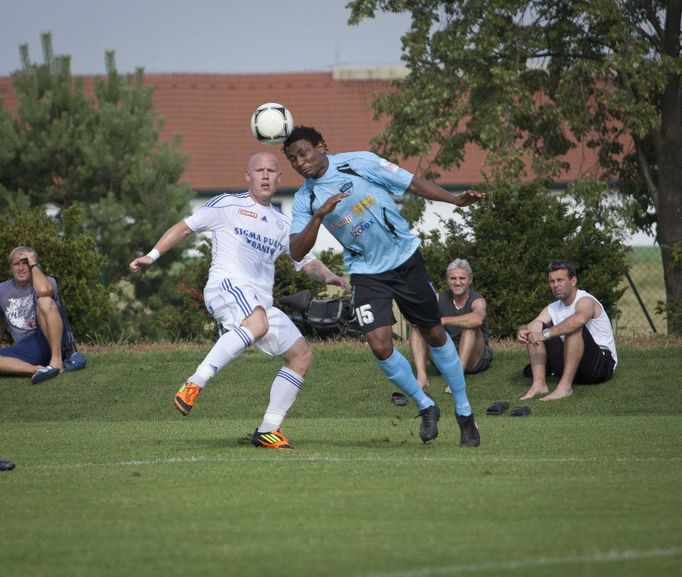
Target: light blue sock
x,y
447,362
399,372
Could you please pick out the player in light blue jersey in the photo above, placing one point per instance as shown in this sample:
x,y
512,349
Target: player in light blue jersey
x,y
350,194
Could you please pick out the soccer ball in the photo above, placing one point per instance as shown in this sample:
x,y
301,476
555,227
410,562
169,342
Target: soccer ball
x,y
271,123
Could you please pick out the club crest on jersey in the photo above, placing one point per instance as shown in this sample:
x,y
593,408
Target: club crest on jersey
x,y
388,165
264,219
245,212
360,229
346,186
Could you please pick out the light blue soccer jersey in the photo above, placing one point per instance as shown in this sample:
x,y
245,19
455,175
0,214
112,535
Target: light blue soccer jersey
x,y
368,224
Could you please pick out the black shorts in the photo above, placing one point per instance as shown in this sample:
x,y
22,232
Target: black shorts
x,y
596,366
409,285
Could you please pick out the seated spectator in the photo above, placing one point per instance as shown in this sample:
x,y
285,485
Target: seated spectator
x,y
464,315
32,313
571,338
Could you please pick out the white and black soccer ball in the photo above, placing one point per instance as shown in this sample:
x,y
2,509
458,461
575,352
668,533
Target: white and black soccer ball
x,y
271,123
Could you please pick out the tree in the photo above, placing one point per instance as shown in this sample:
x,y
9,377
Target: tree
x,y
63,147
531,80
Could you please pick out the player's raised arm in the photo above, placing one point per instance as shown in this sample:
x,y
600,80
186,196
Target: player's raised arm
x,y
432,191
176,233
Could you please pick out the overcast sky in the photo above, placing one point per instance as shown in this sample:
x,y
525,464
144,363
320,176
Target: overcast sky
x,y
214,36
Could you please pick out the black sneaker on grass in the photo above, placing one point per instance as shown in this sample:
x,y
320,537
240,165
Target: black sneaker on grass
x,y
428,430
468,431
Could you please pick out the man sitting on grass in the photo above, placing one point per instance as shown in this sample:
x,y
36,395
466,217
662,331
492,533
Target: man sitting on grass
x,y
571,338
464,316
30,312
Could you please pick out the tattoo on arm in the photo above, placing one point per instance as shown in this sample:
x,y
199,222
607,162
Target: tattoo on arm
x,y
316,270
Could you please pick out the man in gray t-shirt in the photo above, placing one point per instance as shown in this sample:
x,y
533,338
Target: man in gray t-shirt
x,y
464,316
29,307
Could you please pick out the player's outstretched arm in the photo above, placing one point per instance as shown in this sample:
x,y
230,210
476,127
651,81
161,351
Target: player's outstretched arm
x,y
431,191
176,233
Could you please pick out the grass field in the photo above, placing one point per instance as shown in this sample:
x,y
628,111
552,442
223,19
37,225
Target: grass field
x,y
112,481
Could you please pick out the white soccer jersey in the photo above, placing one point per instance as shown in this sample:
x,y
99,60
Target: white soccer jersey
x,y
247,238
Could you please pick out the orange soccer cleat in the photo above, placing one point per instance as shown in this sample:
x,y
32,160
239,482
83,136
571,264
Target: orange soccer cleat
x,y
274,440
186,397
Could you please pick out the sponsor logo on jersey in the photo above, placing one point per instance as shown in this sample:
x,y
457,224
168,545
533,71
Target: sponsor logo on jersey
x,y
345,185
250,213
345,220
364,204
360,229
260,242
388,165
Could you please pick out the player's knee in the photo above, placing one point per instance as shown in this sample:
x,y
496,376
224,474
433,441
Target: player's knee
x,y
300,358
260,330
435,336
257,324
306,359
382,350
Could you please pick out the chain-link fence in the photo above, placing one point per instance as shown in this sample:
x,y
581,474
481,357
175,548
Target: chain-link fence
x,y
644,288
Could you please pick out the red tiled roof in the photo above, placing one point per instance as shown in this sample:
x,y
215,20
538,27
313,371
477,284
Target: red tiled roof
x,y
212,112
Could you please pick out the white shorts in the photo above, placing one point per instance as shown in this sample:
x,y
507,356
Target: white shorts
x,y
230,304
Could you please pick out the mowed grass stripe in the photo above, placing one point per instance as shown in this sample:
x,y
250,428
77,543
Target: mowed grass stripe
x,y
330,459
515,564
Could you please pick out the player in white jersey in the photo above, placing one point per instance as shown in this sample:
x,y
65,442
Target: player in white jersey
x,y
248,235
571,338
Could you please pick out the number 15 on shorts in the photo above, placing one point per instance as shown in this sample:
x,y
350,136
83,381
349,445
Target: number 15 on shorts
x,y
364,315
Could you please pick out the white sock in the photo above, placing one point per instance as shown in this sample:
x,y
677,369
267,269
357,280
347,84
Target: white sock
x,y
227,348
283,393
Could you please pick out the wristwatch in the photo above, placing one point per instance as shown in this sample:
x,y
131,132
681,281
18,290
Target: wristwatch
x,y
545,333
34,265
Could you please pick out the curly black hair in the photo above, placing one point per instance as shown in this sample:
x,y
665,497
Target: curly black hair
x,y
304,133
